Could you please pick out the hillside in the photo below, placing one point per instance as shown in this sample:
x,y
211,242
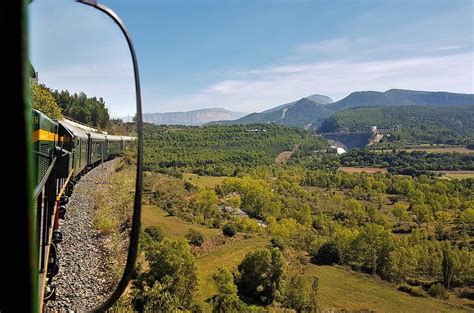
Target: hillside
x,y
433,124
398,97
220,150
312,111
298,113
340,288
191,118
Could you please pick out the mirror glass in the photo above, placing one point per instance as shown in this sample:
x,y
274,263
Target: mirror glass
x,y
84,142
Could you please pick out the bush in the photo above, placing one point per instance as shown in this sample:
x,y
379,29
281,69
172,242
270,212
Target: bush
x,y
277,242
230,230
417,292
327,254
414,291
155,233
438,291
194,237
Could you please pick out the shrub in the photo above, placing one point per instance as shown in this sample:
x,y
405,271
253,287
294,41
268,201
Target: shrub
x,y
277,242
194,237
414,291
155,233
438,291
327,254
230,230
417,292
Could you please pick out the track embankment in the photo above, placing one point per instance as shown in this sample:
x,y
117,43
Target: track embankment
x,y
85,265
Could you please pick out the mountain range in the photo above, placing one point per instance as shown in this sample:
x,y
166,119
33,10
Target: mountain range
x,y
310,112
191,118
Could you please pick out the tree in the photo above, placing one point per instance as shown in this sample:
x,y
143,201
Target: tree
x,y
156,298
400,212
401,263
260,275
422,214
312,306
206,202
372,246
465,271
327,254
344,238
226,299
294,293
449,263
194,237
44,101
443,219
467,217
173,265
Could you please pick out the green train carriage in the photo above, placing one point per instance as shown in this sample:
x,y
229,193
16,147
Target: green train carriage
x,y
45,138
75,140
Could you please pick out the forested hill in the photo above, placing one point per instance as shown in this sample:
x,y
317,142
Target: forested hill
x,y
459,118
221,150
399,97
425,123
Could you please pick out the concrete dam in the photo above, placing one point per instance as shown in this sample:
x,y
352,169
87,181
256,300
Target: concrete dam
x,y
350,139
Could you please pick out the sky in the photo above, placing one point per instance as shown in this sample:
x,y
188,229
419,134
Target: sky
x,y
249,56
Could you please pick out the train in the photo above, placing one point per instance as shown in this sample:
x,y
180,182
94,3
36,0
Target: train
x,y
64,150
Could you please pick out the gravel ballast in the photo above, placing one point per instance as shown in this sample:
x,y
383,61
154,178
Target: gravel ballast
x,y
84,278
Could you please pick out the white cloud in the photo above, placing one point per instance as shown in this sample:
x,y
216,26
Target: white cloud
x,y
261,88
457,47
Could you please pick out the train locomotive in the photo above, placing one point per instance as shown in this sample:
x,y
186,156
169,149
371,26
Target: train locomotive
x,y
64,150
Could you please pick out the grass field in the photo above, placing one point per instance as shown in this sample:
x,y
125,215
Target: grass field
x,y
227,257
363,169
343,289
441,149
338,288
203,181
172,226
456,174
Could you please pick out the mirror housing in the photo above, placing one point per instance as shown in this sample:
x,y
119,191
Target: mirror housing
x,y
52,269
135,231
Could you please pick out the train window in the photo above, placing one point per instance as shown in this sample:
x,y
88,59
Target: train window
x,y
85,91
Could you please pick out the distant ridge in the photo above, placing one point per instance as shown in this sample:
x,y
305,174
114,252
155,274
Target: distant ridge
x,y
311,111
191,118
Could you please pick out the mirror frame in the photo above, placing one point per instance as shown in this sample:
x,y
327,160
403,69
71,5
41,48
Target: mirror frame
x,y
135,231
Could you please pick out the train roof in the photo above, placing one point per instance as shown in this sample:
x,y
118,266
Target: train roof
x,y
114,137
73,129
81,126
94,135
128,138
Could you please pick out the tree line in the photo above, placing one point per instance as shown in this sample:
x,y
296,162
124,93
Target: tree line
x,y
57,104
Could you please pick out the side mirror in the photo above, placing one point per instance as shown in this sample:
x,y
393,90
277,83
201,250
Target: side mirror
x,y
87,151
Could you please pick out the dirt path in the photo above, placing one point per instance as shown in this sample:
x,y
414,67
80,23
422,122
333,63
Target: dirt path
x,y
286,155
